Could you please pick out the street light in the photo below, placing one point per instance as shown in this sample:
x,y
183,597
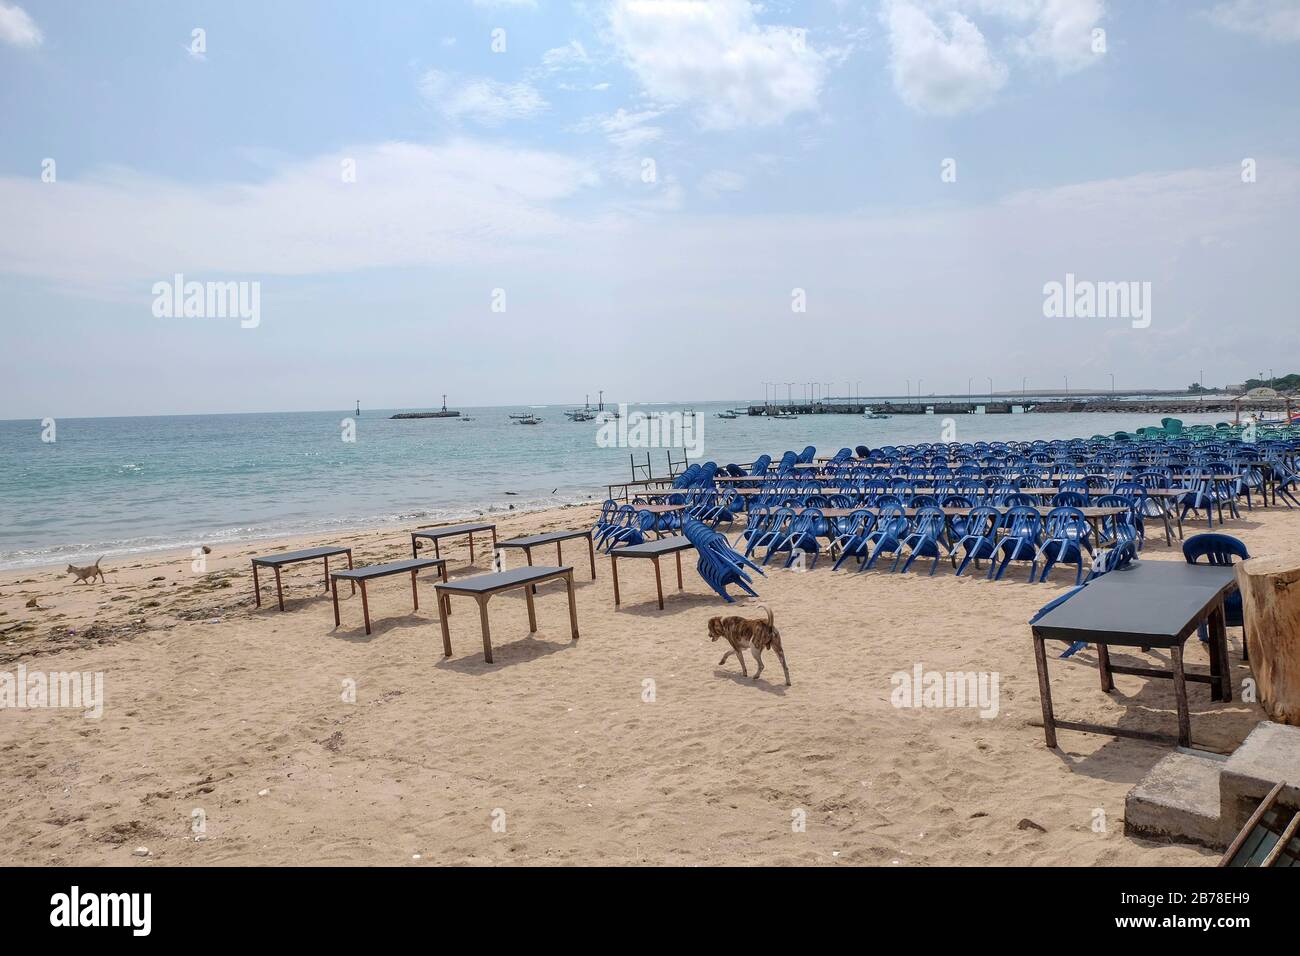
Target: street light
x,y
1022,387
990,378
1067,386
918,388
1112,383
969,382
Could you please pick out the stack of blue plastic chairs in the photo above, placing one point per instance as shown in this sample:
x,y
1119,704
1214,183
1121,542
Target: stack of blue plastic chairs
x,y
719,563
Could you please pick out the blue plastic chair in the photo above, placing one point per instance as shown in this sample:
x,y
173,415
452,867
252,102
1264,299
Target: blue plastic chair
x,y
719,564
852,541
801,536
980,539
923,539
1222,550
1068,536
886,537
1024,527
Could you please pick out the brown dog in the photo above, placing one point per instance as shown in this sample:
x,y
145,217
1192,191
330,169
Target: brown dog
x,y
744,632
87,574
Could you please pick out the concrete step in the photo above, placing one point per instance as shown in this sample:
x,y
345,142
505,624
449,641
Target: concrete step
x,y
1271,754
1178,800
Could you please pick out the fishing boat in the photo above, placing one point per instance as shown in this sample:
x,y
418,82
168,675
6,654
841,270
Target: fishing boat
x,y
527,420
872,413
727,414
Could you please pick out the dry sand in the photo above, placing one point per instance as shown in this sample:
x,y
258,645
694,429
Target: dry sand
x,y
237,713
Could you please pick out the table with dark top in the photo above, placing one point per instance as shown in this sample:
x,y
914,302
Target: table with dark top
x,y
481,587
277,561
450,531
526,544
1149,604
653,550
369,573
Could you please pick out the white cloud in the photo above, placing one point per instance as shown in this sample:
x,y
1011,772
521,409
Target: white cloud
x,y
1062,33
715,56
464,201
485,101
943,62
17,28
718,181
1277,21
626,130
570,56
939,71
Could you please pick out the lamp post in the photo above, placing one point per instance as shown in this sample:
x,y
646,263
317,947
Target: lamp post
x,y
1023,380
1112,383
918,388
990,378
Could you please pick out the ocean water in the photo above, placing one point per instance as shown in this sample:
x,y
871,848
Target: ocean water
x,y
119,486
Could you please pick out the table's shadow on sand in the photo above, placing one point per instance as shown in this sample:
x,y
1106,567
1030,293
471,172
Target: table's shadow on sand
x,y
531,647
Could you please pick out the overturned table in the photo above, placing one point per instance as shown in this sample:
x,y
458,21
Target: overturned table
x,y
1149,604
481,587
653,550
526,544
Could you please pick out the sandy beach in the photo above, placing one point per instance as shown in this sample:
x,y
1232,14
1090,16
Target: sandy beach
x,y
225,737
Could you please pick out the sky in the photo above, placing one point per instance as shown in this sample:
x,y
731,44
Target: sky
x,y
527,201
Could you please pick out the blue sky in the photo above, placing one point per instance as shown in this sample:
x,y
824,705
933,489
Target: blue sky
x,y
506,145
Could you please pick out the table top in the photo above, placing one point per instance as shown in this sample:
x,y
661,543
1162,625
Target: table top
x,y
451,529
1148,604
288,557
502,580
651,549
547,537
393,567
950,512
660,509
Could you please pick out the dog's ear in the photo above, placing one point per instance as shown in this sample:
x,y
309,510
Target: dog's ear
x,y
715,626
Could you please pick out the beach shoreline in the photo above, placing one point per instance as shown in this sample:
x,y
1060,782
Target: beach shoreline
x,y
237,712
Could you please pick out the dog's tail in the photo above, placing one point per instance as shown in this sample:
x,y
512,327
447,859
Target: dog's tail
x,y
100,558
769,613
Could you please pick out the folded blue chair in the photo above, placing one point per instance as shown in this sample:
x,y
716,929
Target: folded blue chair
x,y
605,523
719,564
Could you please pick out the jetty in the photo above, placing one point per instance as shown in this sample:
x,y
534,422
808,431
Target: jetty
x,y
444,412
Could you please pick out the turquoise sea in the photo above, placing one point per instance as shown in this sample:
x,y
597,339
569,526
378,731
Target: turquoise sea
x,y
123,485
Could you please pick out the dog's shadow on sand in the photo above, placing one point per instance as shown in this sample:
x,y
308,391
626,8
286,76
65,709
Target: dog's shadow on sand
x,y
762,683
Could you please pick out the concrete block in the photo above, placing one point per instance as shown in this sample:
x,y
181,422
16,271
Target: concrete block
x,y
1178,801
1270,754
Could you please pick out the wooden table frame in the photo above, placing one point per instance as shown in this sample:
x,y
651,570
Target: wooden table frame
x,y
362,575
1219,678
450,531
527,543
275,562
632,552
482,592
